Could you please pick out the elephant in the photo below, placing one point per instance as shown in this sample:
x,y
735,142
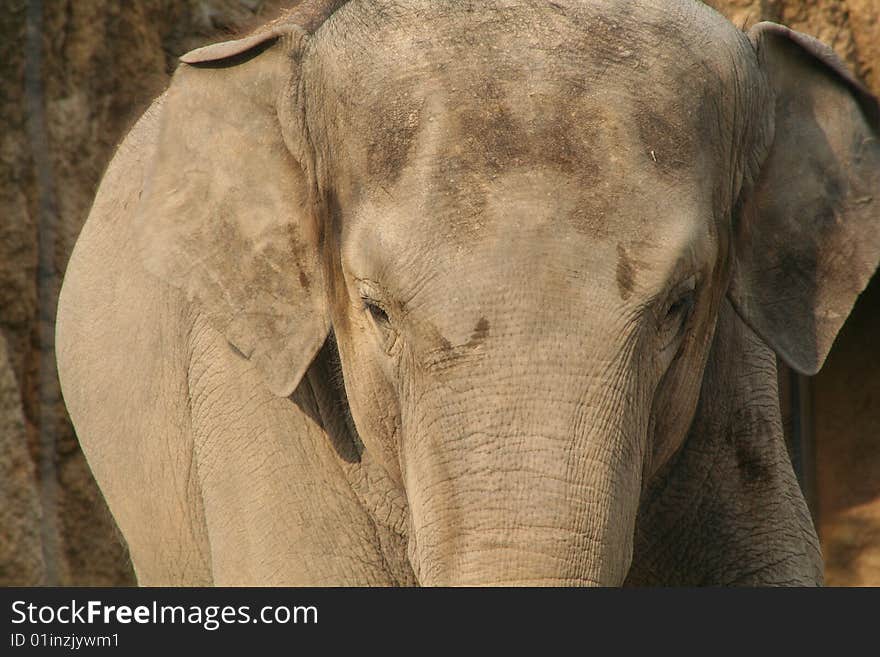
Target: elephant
x,y
457,293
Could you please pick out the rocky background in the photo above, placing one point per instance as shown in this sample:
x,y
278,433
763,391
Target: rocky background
x,y
75,74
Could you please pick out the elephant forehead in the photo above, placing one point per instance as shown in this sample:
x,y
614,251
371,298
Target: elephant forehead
x,y
451,127
475,90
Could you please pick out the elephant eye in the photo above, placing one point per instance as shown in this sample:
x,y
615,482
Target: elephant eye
x,y
680,306
388,336
678,311
376,312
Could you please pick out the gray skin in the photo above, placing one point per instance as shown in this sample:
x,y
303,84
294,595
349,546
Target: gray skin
x,y
471,293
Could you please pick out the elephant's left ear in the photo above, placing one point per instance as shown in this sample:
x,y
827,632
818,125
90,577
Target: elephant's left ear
x,y
807,237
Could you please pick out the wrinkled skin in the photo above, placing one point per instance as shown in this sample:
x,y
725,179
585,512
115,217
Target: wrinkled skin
x,y
471,293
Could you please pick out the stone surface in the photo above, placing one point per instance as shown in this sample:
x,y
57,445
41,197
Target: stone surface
x,y
21,553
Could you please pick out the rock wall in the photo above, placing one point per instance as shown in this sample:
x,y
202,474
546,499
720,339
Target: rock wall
x,y
74,76
846,431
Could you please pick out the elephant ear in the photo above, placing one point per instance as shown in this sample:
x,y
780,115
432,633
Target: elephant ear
x,y
807,237
225,216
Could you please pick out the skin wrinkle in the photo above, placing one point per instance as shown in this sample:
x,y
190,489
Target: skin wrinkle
x,y
698,505
720,475
189,485
625,273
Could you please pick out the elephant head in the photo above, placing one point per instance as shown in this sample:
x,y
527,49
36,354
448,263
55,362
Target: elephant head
x,y
519,224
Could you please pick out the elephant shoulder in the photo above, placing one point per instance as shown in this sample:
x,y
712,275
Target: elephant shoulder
x,y
114,319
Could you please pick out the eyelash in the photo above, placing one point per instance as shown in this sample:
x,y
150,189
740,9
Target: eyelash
x,y
679,311
683,305
376,311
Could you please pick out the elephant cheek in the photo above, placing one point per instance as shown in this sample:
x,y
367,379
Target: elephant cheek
x,y
373,406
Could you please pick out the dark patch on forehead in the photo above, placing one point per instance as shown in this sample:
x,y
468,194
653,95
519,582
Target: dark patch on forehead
x,y
490,135
481,141
478,336
304,281
481,330
665,142
443,355
561,133
681,116
625,273
392,139
488,132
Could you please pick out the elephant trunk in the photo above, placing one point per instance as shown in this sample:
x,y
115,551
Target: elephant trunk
x,y
515,500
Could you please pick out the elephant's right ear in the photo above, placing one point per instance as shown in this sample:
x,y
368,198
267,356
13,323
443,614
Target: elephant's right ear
x,y
225,214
